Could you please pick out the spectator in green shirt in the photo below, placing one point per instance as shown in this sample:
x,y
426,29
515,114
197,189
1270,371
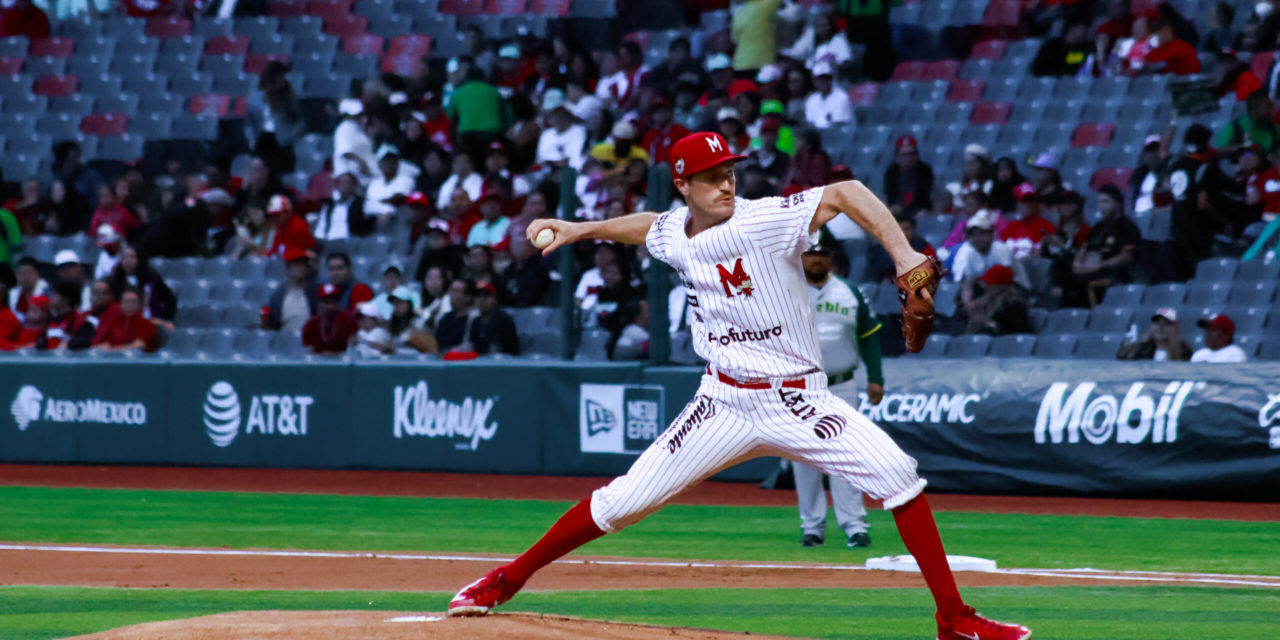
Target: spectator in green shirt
x,y
10,243
1255,127
479,114
752,31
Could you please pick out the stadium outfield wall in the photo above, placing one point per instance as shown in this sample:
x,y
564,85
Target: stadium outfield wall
x,y
991,426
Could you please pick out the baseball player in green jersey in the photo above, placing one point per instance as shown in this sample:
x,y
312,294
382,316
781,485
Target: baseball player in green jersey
x,y
848,334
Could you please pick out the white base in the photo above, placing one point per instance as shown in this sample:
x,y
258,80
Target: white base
x,y
908,563
415,619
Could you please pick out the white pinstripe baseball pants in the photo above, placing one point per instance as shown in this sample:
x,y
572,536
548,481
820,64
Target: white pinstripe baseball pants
x,y
724,425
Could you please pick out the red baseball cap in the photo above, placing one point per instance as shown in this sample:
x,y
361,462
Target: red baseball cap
x,y
906,143
327,290
1025,192
291,254
1220,322
699,152
418,198
998,274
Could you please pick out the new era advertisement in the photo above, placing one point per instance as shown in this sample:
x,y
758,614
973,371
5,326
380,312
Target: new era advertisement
x,y
619,418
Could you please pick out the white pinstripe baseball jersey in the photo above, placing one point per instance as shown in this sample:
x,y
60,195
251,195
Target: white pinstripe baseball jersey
x,y
747,294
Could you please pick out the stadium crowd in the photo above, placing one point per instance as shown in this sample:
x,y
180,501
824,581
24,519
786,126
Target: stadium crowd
x,y
442,164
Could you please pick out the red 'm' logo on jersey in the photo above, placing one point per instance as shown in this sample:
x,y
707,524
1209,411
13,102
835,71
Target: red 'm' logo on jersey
x,y
738,278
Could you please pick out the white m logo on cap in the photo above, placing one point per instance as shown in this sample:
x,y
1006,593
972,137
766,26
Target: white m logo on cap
x,y
714,143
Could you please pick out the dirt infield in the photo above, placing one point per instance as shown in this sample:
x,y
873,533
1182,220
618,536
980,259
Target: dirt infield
x,y
459,485
386,625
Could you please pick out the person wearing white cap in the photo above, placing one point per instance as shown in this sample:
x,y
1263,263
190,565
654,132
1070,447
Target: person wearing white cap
x,y
729,123
67,267
1162,342
979,253
620,147
110,241
393,183
352,147
975,175
373,339
1146,177
821,42
828,104
1049,184
563,141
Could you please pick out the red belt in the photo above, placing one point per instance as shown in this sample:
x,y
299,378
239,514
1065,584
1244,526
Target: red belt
x,y
798,383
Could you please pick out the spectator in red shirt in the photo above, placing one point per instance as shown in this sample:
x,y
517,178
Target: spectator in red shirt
x,y
1234,76
32,327
330,330
68,328
1025,234
292,231
1119,22
128,329
1263,189
22,18
10,324
1171,54
350,292
29,285
111,212
663,131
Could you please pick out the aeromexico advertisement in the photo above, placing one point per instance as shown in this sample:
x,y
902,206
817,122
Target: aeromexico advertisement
x,y
1017,426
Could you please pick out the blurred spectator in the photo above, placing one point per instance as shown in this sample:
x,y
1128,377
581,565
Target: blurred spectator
x,y
879,261
393,285
1006,178
10,323
32,210
69,168
109,241
908,182
868,23
1024,235
678,67
273,119
1195,178
1221,16
463,177
497,168
372,339
752,29
10,243
632,342
663,131
291,229
255,233
729,125
1064,55
159,304
1262,191
689,114
479,53
350,293
1119,23
127,330
1242,204
491,230
453,331
821,42
1048,181
979,253
591,281
1001,309
773,114
1162,342
407,326
811,166
631,61
525,281
614,294
1145,180
31,328
352,146
1072,231
29,285
68,329
828,104
479,114
99,303
22,18
331,329
478,265
512,70
775,164
1260,31
720,73
976,174
435,297
492,330
621,146
1235,77
294,301
1256,126
390,186
563,142
437,251
1219,335
1170,51
67,267
111,212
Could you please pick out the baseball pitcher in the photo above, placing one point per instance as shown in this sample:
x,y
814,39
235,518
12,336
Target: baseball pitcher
x,y
765,391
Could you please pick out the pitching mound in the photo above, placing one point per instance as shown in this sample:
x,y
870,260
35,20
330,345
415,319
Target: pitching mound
x,y
388,625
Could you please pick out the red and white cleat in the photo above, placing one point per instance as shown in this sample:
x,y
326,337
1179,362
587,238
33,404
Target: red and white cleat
x,y
481,596
971,626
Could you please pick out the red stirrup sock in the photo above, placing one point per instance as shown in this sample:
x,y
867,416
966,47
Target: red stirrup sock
x,y
574,529
920,533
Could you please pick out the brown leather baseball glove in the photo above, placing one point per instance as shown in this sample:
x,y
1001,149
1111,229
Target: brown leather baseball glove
x,y
915,292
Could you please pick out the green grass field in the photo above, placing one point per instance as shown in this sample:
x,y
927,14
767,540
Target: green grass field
x,y
212,519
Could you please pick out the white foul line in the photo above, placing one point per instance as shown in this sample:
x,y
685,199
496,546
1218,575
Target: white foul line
x,y
1075,574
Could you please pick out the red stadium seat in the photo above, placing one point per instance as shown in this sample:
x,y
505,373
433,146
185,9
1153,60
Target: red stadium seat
x,y
1261,62
256,63
908,72
1117,176
549,7
410,45
1095,134
941,70
168,27
227,45
506,7
10,66
51,48
328,9
320,187
369,44
400,65
240,107
989,50
217,103
346,26
104,125
966,90
864,95
991,113
1003,13
286,9
57,86
462,7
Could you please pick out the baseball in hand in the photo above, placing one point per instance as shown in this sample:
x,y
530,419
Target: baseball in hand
x,y
544,238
